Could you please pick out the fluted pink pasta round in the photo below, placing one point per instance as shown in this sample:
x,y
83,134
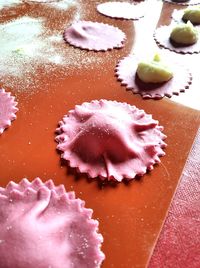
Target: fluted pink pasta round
x,y
44,226
126,71
7,109
162,38
122,10
110,139
94,36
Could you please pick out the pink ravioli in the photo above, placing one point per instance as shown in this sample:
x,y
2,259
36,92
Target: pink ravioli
x,y
126,73
177,16
110,139
7,109
184,3
122,10
94,36
162,38
43,226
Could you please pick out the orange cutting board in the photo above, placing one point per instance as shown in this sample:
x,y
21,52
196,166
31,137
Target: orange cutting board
x,y
130,214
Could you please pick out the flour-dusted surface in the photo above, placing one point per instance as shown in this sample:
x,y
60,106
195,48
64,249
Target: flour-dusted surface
x,y
110,139
21,44
28,45
9,3
44,226
135,209
7,109
63,4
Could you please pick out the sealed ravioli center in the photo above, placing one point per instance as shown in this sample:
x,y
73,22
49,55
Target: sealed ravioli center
x,y
110,139
102,136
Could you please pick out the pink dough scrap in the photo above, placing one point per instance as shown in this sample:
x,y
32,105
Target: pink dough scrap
x,y
109,139
122,10
94,36
7,109
44,226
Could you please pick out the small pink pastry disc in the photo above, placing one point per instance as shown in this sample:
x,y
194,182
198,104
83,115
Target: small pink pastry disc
x,y
121,10
94,36
126,73
110,139
187,3
177,16
7,109
43,226
162,38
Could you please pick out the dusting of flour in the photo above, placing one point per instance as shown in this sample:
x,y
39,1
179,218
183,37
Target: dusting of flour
x,y
21,43
63,4
8,3
27,46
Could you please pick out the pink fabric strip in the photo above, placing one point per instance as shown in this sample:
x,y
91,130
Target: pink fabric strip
x,y
179,241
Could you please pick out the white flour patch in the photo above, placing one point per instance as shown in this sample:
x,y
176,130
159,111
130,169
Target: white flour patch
x,y
22,44
8,3
27,46
63,4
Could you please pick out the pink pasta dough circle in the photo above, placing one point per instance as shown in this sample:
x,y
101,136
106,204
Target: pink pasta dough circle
x,y
43,226
110,139
7,109
126,71
162,38
94,36
177,16
121,10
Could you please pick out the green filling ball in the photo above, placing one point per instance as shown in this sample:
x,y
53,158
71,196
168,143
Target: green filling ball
x,y
192,14
154,71
185,34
